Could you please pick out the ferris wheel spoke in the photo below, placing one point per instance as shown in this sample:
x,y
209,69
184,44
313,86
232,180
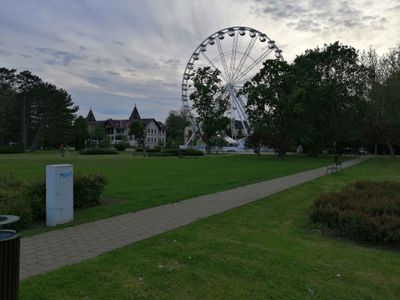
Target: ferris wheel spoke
x,y
245,56
253,64
233,55
213,65
222,56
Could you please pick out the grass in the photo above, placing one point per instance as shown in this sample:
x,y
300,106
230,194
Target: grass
x,y
146,182
267,249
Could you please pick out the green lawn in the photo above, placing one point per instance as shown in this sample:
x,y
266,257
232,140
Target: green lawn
x,y
146,182
263,250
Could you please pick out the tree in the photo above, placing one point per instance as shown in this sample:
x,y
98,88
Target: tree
x,y
33,112
81,133
258,139
175,127
271,106
98,133
331,88
136,129
210,103
384,104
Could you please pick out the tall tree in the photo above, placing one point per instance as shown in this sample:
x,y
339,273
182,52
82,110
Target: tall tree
x,y
271,107
175,127
136,130
210,103
81,133
332,90
384,105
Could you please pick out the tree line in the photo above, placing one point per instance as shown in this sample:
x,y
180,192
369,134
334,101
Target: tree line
x,y
34,113
328,98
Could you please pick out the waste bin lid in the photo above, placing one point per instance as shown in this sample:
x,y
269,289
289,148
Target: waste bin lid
x,y
8,219
7,235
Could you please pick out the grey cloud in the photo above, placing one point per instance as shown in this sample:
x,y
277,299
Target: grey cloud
x,y
5,53
102,61
318,15
119,43
59,57
113,73
97,80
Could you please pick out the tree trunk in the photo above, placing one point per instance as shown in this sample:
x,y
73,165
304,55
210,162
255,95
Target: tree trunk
x,y
281,153
391,150
376,149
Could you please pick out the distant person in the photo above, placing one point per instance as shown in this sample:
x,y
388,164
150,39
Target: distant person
x,y
62,150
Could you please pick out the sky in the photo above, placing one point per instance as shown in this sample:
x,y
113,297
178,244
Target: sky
x,y
111,55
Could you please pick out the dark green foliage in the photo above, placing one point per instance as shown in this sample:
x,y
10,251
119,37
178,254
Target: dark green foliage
x,y
364,211
98,150
87,189
121,146
175,126
210,103
272,107
81,133
28,199
331,89
13,200
136,129
36,195
33,112
182,152
11,149
105,143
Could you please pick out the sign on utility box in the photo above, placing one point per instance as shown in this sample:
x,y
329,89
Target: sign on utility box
x,y
59,194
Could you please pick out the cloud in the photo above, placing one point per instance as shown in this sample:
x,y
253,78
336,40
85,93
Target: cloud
x,y
111,56
5,53
319,15
58,57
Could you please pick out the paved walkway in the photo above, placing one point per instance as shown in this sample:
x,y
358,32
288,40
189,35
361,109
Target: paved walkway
x,y
49,251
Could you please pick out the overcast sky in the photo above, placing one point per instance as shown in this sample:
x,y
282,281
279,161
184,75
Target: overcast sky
x,y
110,55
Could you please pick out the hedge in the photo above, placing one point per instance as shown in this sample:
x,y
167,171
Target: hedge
x,y
364,211
97,151
11,149
121,146
182,152
28,199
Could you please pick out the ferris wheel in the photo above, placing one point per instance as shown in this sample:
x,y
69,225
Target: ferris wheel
x,y
238,53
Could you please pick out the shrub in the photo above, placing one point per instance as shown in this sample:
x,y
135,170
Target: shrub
x,y
13,200
182,152
363,211
97,151
87,189
11,149
121,146
36,194
28,199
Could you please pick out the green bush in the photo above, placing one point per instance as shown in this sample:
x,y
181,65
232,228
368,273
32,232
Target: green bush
x,y
121,146
36,194
364,211
182,152
97,151
11,149
87,189
13,200
28,199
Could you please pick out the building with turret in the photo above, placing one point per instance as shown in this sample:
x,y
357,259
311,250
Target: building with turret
x,y
118,130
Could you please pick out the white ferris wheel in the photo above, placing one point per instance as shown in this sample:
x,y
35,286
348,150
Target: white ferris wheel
x,y
238,52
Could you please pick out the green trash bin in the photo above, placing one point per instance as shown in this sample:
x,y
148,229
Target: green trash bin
x,y
9,257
